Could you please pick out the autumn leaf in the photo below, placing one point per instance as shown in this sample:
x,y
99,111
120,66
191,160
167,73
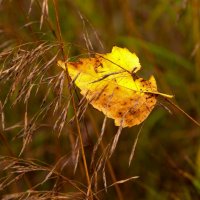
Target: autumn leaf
x,y
109,82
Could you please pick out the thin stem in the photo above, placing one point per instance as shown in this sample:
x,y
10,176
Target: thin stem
x,y
110,168
73,101
181,110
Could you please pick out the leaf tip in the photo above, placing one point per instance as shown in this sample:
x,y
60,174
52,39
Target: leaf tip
x,y
61,64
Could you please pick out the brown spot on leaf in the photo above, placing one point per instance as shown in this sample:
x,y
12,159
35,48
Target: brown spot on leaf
x,y
75,64
116,101
120,114
124,103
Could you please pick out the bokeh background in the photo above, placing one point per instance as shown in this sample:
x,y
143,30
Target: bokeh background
x,y
166,37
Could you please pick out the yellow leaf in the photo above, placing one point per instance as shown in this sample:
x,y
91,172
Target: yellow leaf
x,y
109,82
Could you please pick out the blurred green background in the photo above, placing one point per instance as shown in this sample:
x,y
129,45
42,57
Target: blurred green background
x,y
166,37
